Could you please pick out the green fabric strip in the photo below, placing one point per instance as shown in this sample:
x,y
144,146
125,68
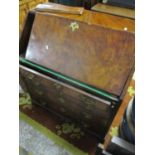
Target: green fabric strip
x,y
102,93
58,140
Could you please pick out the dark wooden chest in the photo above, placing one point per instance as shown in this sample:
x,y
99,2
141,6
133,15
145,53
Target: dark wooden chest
x,y
76,68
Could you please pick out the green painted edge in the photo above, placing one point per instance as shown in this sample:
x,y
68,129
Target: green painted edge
x,y
105,94
58,140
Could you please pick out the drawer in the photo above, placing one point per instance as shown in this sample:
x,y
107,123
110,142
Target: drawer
x,y
91,112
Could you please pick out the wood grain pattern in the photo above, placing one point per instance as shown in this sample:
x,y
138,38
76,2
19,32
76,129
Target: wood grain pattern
x,y
97,56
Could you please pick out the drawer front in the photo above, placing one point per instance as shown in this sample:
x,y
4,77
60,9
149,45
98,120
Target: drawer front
x,y
89,111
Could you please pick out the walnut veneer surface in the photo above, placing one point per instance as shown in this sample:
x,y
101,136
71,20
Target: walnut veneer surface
x,y
92,54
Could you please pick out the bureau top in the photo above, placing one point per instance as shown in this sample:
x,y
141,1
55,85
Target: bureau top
x,y
97,56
